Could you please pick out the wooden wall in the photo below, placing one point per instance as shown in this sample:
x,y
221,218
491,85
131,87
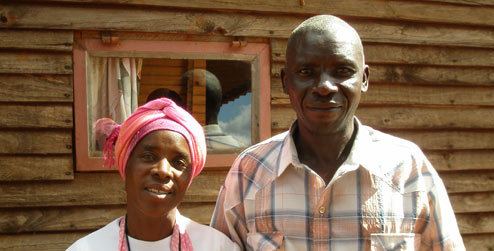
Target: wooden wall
x,y
431,81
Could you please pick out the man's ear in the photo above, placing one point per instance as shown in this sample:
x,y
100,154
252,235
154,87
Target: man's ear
x,y
365,79
283,80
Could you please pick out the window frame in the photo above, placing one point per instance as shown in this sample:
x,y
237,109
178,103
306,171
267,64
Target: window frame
x,y
256,53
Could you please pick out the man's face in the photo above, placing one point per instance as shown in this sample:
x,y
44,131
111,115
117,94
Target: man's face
x,y
158,173
324,77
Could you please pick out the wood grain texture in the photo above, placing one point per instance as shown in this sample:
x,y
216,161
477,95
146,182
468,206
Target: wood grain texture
x,y
249,25
36,40
39,241
472,202
36,88
405,117
36,142
468,181
390,94
36,63
409,54
461,160
449,140
82,218
23,168
476,223
394,10
416,77
36,116
481,242
102,188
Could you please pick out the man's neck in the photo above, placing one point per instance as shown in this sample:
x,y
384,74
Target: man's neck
x,y
148,228
324,154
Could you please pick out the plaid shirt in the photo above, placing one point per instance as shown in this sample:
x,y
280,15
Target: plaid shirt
x,y
385,196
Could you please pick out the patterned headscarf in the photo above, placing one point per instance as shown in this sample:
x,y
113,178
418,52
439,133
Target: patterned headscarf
x,y
158,114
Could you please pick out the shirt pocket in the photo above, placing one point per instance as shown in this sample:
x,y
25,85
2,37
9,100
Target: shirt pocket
x,y
395,242
265,241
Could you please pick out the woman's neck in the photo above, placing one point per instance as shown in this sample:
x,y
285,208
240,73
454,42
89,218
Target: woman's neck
x,y
149,228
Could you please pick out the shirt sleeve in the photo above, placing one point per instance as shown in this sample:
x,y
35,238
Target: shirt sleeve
x,y
442,232
229,213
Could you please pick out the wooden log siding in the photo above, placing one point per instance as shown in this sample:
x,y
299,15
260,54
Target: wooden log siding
x,y
432,81
394,10
248,25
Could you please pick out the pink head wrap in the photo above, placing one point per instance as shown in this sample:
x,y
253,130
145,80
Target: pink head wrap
x,y
158,114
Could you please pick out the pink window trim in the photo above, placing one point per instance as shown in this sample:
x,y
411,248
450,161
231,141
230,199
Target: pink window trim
x,y
214,161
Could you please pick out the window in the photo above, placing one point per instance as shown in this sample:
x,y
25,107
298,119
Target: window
x,y
225,88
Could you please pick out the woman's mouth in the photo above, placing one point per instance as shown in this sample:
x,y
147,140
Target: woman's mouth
x,y
158,191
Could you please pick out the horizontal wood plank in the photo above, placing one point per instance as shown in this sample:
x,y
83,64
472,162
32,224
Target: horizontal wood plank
x,y
479,223
18,168
472,202
82,218
376,53
102,188
253,25
404,117
36,88
36,116
390,94
36,40
39,241
480,242
394,10
468,181
36,142
414,77
57,219
461,160
449,140
442,140
464,2
30,62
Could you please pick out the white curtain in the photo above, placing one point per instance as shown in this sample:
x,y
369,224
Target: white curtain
x,y
113,89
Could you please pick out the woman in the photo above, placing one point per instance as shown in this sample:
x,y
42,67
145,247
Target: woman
x,y
159,150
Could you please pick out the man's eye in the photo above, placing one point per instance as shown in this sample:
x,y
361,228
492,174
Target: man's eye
x,y
305,72
344,71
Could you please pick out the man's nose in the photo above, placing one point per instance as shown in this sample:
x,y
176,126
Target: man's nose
x,y
326,85
163,169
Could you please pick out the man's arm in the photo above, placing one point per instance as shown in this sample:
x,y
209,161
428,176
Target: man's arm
x,y
229,215
442,231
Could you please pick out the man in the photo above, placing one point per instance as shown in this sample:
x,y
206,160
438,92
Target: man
x,y
331,183
216,138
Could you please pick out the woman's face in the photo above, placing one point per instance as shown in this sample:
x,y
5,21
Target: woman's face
x,y
158,173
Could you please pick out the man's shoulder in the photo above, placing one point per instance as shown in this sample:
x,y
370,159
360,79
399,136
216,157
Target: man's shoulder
x,y
267,146
384,140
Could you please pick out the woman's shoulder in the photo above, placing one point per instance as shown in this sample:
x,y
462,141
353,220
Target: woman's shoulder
x,y
105,238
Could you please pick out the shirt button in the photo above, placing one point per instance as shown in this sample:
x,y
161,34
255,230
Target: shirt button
x,y
322,210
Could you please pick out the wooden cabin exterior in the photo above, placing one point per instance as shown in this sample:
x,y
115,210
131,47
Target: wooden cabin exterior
x,y
431,81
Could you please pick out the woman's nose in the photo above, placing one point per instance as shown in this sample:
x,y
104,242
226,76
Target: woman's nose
x,y
163,169
326,85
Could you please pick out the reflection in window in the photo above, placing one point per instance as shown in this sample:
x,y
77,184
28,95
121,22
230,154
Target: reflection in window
x,y
216,92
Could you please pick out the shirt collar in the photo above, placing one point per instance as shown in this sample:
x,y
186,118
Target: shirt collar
x,y
360,154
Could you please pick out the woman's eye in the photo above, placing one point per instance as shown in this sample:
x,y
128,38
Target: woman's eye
x,y
148,157
180,164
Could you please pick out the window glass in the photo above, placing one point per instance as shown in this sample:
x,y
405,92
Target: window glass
x,y
218,93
